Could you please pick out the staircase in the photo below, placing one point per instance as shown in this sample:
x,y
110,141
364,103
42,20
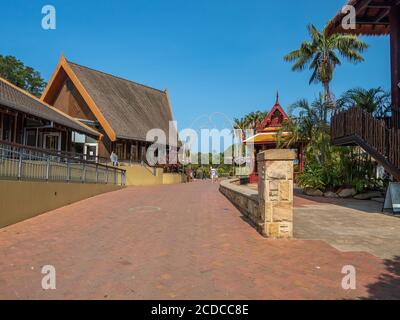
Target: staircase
x,y
357,127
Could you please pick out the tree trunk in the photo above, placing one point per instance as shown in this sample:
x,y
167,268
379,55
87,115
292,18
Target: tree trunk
x,y
325,120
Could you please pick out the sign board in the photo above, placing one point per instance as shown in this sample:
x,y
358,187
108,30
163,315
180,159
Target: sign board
x,y
392,200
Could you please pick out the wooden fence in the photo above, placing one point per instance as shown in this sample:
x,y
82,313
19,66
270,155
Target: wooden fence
x,y
358,123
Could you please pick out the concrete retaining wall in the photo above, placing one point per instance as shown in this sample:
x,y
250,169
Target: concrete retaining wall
x,y
20,200
137,175
270,207
173,178
245,199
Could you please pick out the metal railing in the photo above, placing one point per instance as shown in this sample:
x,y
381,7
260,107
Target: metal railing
x,y
18,162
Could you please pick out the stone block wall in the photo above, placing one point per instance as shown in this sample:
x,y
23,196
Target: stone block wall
x,y
275,191
244,199
271,208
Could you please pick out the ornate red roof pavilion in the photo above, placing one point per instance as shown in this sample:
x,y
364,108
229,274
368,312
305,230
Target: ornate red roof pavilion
x,y
268,134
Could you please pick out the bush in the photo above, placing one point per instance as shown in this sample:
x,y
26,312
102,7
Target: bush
x,y
312,177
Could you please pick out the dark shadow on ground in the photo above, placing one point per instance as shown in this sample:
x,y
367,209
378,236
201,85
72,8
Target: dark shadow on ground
x,y
388,285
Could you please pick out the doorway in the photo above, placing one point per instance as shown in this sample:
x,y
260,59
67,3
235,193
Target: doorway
x,y
52,141
91,151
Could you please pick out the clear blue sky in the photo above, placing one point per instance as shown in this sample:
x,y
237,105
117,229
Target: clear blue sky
x,y
213,55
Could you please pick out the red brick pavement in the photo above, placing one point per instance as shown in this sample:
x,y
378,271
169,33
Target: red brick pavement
x,y
171,242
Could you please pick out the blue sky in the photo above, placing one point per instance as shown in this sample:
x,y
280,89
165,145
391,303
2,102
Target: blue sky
x,y
214,56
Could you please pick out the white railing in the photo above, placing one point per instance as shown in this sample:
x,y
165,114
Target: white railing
x,y
26,163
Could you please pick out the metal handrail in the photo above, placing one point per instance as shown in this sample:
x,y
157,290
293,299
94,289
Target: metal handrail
x,y
29,163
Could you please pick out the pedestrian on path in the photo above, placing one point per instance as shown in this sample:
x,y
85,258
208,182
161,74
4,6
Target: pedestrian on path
x,y
114,159
214,176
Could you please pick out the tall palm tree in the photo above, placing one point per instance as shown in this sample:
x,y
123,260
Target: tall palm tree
x,y
375,101
254,119
240,124
321,54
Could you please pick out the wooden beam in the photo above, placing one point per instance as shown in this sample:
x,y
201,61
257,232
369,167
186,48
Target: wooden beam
x,y
381,22
383,5
1,125
384,13
15,128
395,63
362,5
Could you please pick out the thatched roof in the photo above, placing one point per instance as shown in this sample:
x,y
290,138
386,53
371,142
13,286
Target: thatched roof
x,y
372,18
125,109
21,101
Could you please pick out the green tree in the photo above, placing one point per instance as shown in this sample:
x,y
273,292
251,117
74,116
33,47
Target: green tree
x,y
22,76
249,122
375,101
240,124
321,54
253,119
306,125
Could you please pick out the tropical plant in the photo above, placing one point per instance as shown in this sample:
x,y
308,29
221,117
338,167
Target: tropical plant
x,y
312,177
321,54
306,125
249,122
342,166
22,76
240,124
375,101
254,119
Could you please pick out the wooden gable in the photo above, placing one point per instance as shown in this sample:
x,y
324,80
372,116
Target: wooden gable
x,y
275,118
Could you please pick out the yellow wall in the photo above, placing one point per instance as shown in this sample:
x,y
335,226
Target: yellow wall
x,y
173,178
20,200
137,175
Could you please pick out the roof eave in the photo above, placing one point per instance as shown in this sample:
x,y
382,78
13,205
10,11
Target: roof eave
x,y
80,126
377,28
63,65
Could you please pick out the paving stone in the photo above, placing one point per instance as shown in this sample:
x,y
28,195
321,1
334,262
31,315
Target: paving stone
x,y
196,246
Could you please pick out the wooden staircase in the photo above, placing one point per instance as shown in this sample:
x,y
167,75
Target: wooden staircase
x,y
357,127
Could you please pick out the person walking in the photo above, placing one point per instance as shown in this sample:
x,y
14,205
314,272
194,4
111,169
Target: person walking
x,y
114,159
213,173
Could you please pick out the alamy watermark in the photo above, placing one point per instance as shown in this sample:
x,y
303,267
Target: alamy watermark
x,y
49,20
350,19
49,279
349,281
187,150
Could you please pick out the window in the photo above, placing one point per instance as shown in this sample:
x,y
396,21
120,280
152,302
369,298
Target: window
x,y
30,138
119,150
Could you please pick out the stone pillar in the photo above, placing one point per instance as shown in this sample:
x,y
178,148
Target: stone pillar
x,y
275,192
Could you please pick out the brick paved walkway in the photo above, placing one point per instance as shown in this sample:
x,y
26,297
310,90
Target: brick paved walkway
x,y
174,242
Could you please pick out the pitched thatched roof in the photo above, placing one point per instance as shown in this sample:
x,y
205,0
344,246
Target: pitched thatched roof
x,y
130,108
124,109
372,18
19,100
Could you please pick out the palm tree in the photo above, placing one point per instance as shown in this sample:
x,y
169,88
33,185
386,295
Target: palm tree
x,y
240,124
306,120
306,126
254,119
321,55
375,101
